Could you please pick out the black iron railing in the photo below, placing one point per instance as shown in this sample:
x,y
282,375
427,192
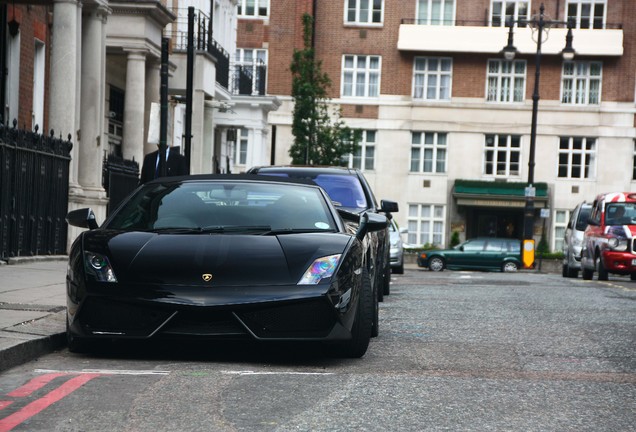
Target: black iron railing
x,y
119,177
249,79
34,178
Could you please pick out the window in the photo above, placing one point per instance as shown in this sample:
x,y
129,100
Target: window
x,y
432,78
581,83
506,80
502,155
587,14
576,157
435,12
38,86
426,224
428,152
250,72
363,158
561,218
363,11
115,120
241,147
360,76
253,8
504,11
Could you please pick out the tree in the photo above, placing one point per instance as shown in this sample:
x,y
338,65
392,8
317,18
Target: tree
x,y
319,138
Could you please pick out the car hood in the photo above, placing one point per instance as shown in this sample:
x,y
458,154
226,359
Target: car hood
x,y
231,260
621,231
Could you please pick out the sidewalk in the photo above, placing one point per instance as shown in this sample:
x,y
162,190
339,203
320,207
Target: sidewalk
x,y
32,308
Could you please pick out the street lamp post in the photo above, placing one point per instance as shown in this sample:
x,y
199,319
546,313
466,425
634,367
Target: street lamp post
x,y
509,51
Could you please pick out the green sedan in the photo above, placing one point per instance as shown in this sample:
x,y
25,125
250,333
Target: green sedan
x,y
482,253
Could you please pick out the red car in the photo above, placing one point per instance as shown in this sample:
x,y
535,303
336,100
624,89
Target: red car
x,y
609,244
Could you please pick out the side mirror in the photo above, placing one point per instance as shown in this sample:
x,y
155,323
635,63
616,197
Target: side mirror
x,y
370,222
82,218
387,206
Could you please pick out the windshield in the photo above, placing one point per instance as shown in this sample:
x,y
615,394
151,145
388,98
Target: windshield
x,y
225,207
620,213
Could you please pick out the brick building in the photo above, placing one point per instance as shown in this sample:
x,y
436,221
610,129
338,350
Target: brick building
x,y
446,119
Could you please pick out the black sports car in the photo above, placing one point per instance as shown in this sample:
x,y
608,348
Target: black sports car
x,y
227,257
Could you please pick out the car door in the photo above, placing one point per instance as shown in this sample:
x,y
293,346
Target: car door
x,y
468,254
494,252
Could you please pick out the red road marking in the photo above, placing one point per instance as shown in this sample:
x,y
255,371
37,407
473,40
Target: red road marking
x,y
8,423
35,384
4,404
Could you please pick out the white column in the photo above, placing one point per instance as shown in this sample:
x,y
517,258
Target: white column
x,y
134,103
90,146
64,81
153,84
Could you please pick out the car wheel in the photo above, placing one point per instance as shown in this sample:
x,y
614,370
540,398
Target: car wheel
x,y
379,283
565,270
602,272
386,286
587,274
436,264
399,269
375,329
632,276
510,266
361,331
573,273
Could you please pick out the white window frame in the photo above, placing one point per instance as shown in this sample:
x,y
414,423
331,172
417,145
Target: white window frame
x,y
578,17
366,151
428,74
560,225
429,143
258,55
518,12
586,153
357,11
435,220
577,82
501,84
366,72
242,5
242,146
425,10
39,67
505,149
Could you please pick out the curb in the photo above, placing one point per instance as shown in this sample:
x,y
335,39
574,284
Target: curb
x,y
30,350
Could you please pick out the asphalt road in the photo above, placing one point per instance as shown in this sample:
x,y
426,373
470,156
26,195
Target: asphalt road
x,y
457,351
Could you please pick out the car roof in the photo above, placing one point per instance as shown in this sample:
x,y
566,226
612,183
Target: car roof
x,y
301,169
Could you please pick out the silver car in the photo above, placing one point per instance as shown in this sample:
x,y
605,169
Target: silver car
x,y
573,239
397,247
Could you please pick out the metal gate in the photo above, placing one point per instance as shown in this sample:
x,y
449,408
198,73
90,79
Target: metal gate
x,y
33,193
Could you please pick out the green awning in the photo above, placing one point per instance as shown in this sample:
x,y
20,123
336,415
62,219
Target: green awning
x,y
497,194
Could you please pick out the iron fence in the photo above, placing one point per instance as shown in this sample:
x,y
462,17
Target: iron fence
x,y
33,192
119,177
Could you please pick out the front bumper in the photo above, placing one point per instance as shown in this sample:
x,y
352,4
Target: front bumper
x,y
619,262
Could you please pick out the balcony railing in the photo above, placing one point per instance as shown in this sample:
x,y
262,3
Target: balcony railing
x,y
249,79
203,41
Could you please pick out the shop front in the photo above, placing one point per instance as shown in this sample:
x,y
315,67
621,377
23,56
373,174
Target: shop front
x,y
494,208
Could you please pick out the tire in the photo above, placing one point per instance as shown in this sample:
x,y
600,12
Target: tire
x,y
398,270
565,270
573,273
379,283
361,330
436,264
509,267
375,328
587,274
386,285
602,272
632,276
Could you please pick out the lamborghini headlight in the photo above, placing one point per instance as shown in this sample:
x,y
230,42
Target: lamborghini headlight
x,y
320,269
99,267
617,244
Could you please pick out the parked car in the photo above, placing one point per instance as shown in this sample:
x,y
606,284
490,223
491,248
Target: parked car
x,y
223,257
349,189
481,253
573,239
397,247
608,242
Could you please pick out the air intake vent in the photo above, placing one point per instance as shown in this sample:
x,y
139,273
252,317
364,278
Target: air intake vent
x,y
575,189
426,183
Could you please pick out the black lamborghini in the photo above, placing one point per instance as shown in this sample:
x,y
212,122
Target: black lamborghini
x,y
223,257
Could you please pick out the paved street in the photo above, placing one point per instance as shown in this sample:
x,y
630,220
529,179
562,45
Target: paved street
x,y
465,351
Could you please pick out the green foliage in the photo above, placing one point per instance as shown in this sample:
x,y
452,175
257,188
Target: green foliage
x,y
454,239
542,247
320,137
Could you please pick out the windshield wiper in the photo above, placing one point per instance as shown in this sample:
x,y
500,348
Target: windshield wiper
x,y
296,231
235,228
